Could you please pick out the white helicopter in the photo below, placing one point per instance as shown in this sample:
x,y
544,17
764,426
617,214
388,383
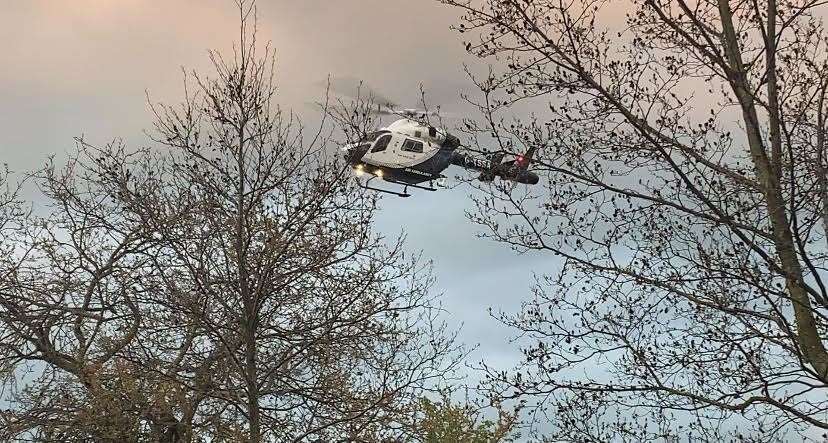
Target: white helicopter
x,y
411,152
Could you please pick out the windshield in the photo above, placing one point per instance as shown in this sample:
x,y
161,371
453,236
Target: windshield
x,y
382,144
372,136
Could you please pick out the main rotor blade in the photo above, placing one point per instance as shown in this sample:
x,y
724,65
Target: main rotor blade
x,y
358,89
352,87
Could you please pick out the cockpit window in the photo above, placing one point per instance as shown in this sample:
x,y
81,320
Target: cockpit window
x,y
382,143
412,146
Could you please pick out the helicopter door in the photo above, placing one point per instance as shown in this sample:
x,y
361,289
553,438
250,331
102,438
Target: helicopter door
x,y
411,149
378,151
385,151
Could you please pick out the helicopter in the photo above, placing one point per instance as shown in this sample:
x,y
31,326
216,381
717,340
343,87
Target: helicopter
x,y
410,152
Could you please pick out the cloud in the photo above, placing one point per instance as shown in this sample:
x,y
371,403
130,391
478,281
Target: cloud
x,y
82,66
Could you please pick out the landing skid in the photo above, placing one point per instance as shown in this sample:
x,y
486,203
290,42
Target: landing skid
x,y
385,191
407,185
404,193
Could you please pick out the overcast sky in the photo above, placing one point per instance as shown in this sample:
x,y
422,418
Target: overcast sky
x,y
83,66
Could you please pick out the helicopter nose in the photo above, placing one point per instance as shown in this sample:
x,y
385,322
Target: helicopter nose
x,y
354,153
347,150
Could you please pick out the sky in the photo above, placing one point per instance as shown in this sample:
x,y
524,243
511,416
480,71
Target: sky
x,y
85,67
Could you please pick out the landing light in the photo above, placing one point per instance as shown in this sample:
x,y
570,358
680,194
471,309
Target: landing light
x,y
379,173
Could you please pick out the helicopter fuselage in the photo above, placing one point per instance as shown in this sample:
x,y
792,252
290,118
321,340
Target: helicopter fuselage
x,y
408,153
405,152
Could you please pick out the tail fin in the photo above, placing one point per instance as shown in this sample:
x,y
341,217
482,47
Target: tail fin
x,y
517,170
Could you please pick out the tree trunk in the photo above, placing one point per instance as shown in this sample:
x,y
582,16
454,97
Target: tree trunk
x,y
809,340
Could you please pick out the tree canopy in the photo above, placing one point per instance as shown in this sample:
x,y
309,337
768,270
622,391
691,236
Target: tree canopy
x,y
224,284
682,149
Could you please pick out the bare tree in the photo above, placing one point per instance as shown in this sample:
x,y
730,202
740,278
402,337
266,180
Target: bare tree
x,y
225,285
683,150
70,302
304,323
